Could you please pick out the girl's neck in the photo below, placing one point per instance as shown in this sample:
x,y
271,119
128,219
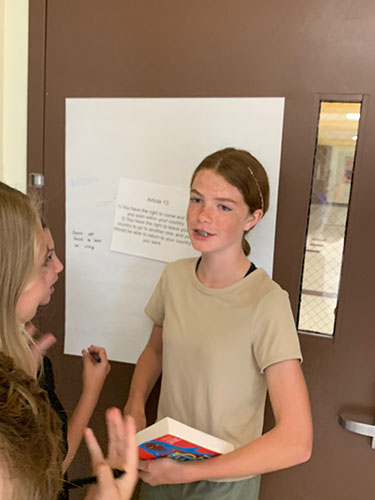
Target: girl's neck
x,y
213,272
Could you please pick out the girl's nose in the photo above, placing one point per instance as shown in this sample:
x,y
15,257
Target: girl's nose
x,y
58,264
204,214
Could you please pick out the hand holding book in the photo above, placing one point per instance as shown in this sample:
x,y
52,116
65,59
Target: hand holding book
x,y
171,439
164,471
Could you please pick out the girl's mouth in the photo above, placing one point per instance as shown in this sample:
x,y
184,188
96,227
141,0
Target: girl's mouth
x,y
199,233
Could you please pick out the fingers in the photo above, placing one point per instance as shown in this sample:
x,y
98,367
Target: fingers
x,y
42,345
105,478
131,449
45,342
123,449
144,465
116,438
122,444
144,473
96,355
30,328
101,469
128,481
100,351
95,451
90,358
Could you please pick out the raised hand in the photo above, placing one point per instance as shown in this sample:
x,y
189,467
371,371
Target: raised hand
x,y
122,454
42,344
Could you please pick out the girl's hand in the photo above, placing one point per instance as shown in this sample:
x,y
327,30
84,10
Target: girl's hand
x,y
42,344
163,471
122,452
94,371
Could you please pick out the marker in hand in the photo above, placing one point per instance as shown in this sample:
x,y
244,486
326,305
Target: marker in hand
x,y
79,483
94,353
95,356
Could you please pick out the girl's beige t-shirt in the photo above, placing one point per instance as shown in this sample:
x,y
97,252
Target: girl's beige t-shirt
x,y
216,345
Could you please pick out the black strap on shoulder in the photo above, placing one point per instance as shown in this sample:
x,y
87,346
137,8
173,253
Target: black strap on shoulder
x,y
250,270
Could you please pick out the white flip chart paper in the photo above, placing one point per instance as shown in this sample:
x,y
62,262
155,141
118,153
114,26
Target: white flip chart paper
x,y
158,142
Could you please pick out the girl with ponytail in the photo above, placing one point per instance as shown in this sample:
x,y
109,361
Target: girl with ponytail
x,y
223,335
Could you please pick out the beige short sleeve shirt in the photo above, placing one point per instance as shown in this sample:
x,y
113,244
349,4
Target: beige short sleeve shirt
x,y
216,345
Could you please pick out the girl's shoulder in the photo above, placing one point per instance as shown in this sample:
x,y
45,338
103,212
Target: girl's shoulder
x,y
263,287
264,281
180,266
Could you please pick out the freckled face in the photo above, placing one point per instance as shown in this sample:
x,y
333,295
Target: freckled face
x,y
217,215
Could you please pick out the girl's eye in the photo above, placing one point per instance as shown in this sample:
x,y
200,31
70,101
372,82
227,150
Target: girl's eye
x,y
194,199
48,259
224,208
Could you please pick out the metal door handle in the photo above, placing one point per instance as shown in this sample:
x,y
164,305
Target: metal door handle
x,y
359,428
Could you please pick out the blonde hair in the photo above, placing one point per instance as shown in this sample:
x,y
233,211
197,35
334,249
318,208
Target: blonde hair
x,y
19,225
246,173
30,437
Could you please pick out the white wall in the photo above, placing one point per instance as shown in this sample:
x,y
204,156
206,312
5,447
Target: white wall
x,y
13,91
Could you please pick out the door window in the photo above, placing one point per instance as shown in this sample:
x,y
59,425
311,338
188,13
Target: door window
x,y
333,174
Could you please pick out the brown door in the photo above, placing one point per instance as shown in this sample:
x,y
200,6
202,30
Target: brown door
x,y
340,371
298,50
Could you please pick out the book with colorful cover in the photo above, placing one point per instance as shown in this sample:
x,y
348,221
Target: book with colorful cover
x,y
169,438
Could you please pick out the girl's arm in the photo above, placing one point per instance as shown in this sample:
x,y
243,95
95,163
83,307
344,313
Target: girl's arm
x,y
146,373
94,375
288,443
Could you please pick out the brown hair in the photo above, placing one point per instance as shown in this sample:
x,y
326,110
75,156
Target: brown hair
x,y
19,224
246,173
31,451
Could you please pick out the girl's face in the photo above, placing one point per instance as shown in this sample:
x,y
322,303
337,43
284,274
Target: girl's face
x,y
217,215
40,286
53,265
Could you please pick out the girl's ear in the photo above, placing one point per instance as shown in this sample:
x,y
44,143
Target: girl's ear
x,y
253,219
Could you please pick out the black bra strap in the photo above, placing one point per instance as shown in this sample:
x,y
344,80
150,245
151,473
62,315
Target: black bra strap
x,y
250,270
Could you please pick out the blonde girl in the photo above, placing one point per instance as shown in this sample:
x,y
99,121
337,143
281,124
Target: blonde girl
x,y
29,269
21,237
